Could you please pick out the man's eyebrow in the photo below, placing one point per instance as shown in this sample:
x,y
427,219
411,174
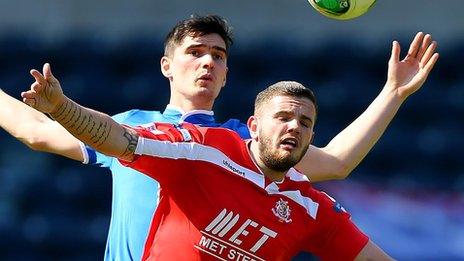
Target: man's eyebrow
x,y
219,48
215,47
303,117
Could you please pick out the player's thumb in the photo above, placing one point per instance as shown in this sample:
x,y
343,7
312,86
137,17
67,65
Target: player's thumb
x,y
47,72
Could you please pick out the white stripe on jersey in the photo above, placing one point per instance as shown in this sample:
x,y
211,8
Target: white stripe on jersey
x,y
310,206
195,151
294,175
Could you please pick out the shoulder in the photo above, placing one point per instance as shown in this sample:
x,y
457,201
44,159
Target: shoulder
x,y
187,132
217,137
325,202
136,117
237,126
219,132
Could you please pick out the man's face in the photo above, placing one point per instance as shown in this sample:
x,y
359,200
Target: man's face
x,y
197,68
285,130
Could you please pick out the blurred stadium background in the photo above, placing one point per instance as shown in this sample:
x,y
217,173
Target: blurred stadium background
x,y
408,193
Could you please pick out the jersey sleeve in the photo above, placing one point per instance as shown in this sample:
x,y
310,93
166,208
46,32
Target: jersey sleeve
x,y
160,146
93,157
339,238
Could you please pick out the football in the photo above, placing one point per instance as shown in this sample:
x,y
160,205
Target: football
x,y
342,9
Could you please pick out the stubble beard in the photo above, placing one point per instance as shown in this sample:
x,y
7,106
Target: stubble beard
x,y
274,161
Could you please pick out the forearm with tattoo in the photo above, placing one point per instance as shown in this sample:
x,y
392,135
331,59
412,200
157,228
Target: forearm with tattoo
x,y
132,140
96,129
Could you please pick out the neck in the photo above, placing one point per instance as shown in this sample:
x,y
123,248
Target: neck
x,y
190,104
273,175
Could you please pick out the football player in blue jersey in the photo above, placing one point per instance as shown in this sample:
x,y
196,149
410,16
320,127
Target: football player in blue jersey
x,y
195,63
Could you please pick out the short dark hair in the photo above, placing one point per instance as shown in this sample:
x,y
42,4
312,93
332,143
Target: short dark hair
x,y
283,88
198,26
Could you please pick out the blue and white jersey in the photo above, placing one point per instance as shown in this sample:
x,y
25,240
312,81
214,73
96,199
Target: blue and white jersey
x,y
135,196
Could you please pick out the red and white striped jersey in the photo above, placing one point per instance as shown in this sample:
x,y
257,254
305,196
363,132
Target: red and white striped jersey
x,y
215,204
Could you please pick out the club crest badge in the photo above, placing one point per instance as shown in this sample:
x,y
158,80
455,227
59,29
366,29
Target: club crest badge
x,y
282,211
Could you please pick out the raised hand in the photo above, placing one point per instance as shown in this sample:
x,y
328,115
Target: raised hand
x,y
45,94
407,76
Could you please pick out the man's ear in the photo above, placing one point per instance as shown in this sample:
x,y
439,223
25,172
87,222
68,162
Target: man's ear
x,y
252,124
312,138
166,67
225,77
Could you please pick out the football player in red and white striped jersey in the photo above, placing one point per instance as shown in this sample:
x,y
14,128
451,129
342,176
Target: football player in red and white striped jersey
x,y
224,198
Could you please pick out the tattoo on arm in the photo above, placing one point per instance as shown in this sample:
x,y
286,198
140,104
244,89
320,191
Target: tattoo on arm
x,y
82,124
58,115
77,119
65,112
93,125
103,139
132,143
101,135
95,134
84,119
62,108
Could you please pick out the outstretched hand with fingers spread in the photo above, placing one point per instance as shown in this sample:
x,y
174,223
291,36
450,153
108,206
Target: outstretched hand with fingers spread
x,y
408,75
45,94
